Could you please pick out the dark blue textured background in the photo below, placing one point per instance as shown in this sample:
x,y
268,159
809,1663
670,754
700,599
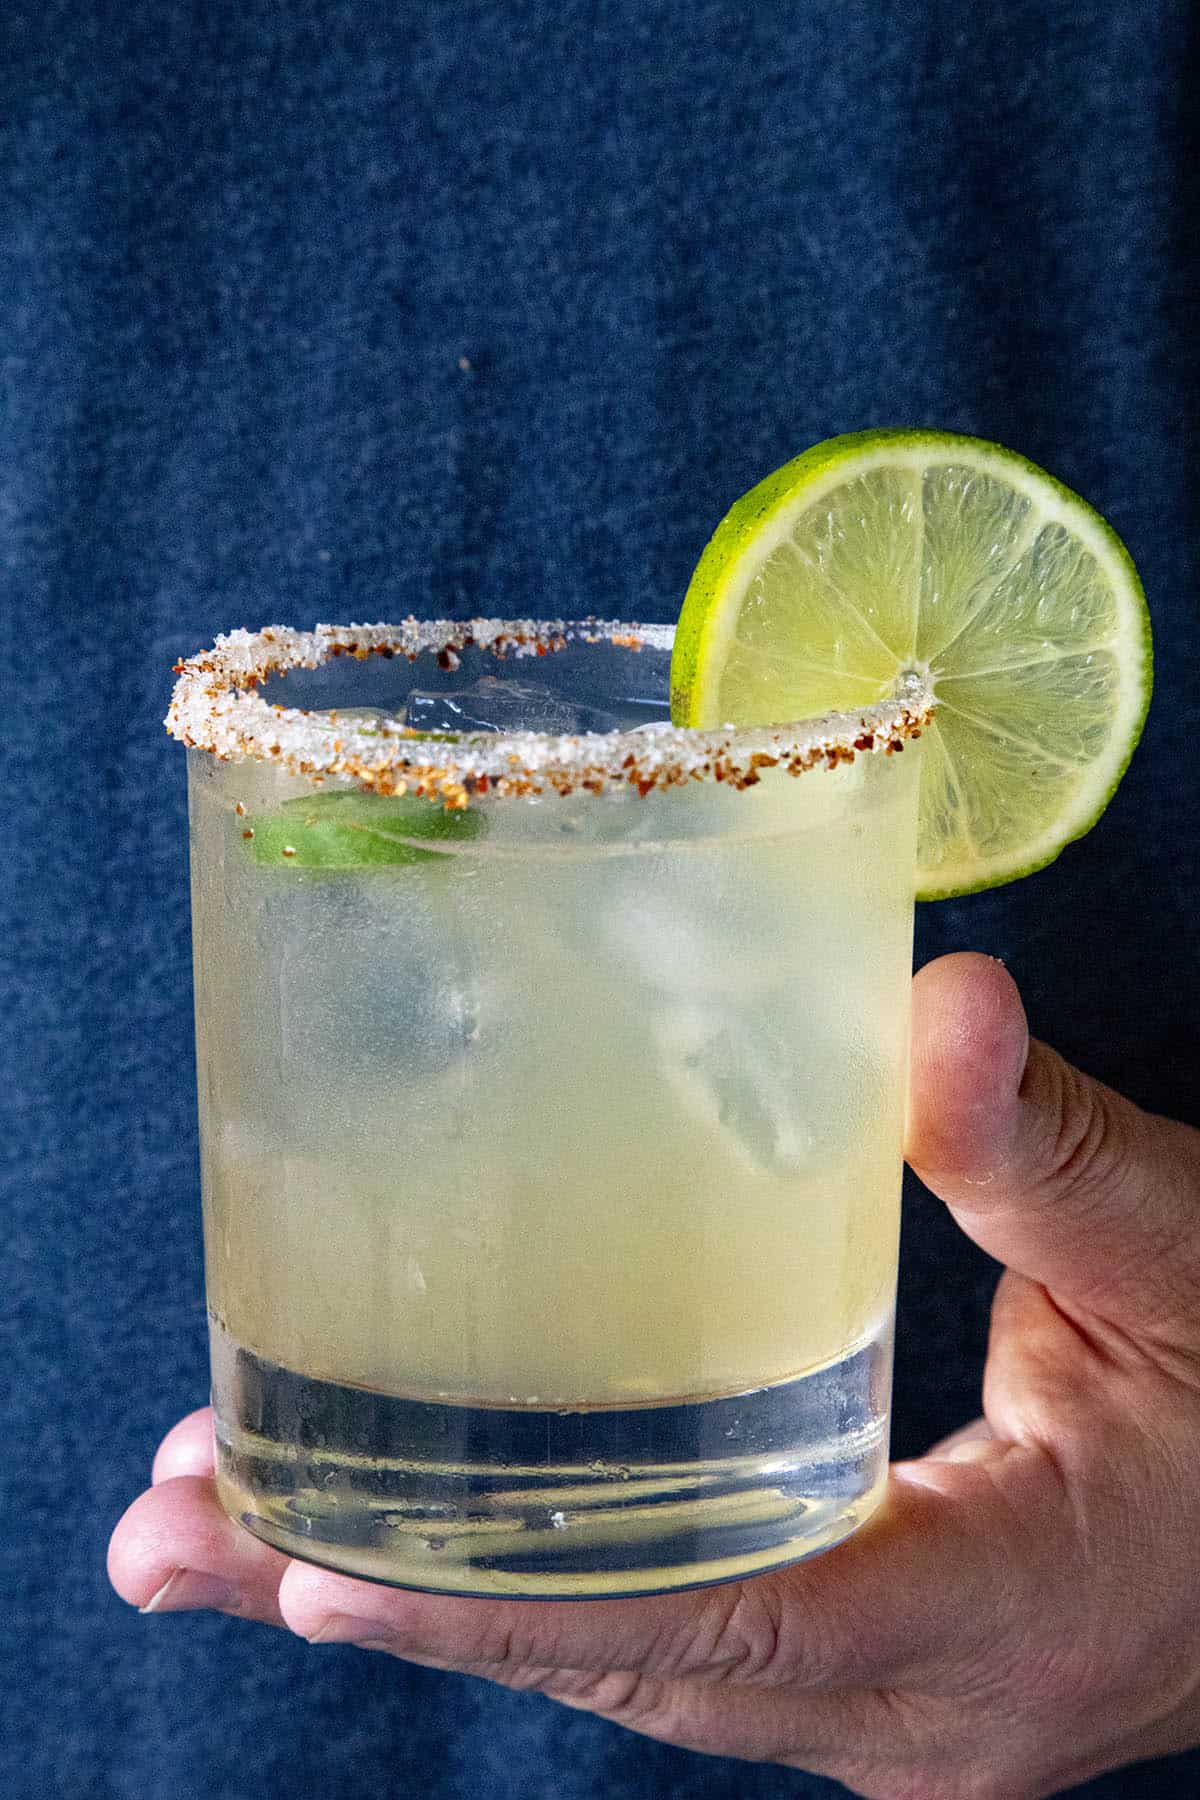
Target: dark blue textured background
x,y
305,315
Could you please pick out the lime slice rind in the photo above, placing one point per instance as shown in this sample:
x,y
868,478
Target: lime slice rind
x,y
892,550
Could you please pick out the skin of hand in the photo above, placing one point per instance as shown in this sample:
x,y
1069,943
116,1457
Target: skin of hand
x,y
1020,1614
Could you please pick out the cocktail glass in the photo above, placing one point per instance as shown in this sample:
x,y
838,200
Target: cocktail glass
x,y
551,1096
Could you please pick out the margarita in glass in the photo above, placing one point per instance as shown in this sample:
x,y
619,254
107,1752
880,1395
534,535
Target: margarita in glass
x,y
551,1090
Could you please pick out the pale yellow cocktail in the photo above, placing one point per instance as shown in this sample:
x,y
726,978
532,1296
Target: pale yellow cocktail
x,y
552,1145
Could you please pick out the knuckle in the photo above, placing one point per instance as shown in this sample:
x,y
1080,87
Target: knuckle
x,y
1089,1152
507,1650
621,1695
744,1642
500,1650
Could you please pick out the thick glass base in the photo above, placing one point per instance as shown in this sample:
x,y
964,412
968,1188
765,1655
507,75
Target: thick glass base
x,y
586,1503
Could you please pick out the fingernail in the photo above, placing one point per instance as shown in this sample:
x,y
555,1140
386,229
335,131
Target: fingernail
x,y
343,1628
191,1590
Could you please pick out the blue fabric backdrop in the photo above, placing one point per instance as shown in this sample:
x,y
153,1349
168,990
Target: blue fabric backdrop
x,y
309,313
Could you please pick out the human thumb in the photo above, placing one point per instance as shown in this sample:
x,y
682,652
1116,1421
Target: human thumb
x,y
1050,1172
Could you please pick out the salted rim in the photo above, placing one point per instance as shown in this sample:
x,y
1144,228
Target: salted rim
x,y
215,707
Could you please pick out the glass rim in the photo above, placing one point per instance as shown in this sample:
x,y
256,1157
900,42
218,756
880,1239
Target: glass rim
x,y
216,707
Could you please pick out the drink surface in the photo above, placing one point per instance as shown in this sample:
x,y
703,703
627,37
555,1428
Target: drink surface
x,y
600,1106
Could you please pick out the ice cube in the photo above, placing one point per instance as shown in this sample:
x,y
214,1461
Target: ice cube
x,y
675,934
729,1071
372,999
493,704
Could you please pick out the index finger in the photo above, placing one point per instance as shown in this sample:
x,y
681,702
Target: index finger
x,y
187,1448
918,1585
